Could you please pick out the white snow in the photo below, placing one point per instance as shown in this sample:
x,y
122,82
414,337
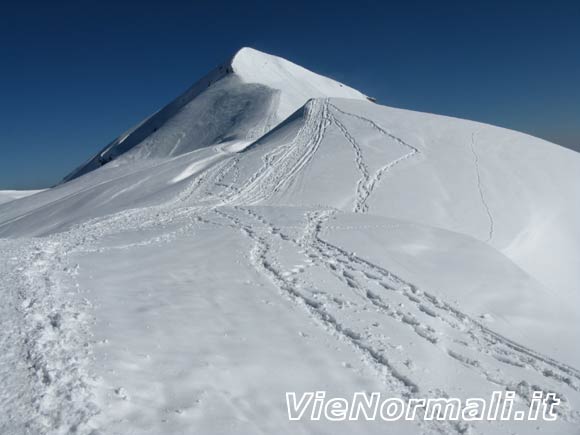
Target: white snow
x,y
271,231
236,103
11,195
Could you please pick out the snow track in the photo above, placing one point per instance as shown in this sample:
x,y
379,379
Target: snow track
x,y
452,333
50,391
362,188
281,165
288,286
316,304
368,182
50,328
480,186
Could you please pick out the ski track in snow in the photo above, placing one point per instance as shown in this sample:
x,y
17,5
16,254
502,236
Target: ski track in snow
x,y
480,186
182,136
283,163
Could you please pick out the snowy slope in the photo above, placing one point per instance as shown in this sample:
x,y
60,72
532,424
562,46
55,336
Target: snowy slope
x,y
291,241
499,186
511,190
11,195
233,105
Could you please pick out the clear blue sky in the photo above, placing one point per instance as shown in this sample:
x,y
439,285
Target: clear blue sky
x,y
74,75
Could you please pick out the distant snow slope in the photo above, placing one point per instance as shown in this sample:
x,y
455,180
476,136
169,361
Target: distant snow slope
x,y
289,242
11,195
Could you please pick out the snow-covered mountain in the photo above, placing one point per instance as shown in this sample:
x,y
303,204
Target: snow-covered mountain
x,y
273,230
233,105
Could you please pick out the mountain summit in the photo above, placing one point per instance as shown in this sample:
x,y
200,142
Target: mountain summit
x,y
233,105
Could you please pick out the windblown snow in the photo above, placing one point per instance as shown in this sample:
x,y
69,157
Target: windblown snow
x,y
273,230
11,195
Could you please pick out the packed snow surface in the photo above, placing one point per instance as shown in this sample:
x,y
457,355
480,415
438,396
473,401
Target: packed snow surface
x,y
273,230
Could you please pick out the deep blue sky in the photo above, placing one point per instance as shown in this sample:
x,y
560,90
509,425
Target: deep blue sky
x,y
74,75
